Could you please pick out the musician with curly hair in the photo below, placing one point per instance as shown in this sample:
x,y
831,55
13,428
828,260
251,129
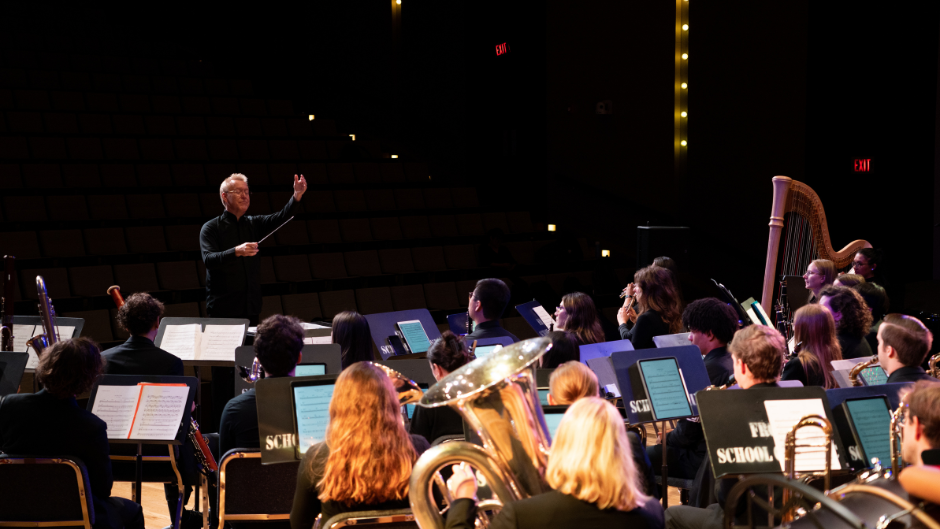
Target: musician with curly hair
x,y
853,320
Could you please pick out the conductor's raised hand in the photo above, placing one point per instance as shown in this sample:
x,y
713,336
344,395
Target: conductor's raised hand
x,y
247,249
300,186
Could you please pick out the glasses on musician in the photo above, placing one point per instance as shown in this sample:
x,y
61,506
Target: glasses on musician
x,y
858,264
238,192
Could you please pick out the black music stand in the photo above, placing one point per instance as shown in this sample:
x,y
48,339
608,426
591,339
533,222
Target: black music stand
x,y
197,364
276,433
458,323
382,325
635,396
181,434
418,369
329,354
77,323
839,395
527,311
12,366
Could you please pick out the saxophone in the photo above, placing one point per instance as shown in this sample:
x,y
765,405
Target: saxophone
x,y
50,334
859,367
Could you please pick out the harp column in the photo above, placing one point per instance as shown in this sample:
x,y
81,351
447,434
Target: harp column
x,y
781,187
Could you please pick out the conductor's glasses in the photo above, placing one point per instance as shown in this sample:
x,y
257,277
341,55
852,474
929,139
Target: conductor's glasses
x,y
238,192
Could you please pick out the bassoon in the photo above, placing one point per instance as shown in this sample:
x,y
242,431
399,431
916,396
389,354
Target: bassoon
x,y
6,306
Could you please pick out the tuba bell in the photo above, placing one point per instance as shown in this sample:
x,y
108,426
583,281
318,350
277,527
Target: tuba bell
x,y
497,396
50,334
934,370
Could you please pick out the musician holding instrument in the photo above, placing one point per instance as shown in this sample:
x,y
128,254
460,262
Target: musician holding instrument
x,y
815,329
711,325
757,353
819,274
853,320
140,317
50,423
487,303
590,470
903,343
229,245
920,441
659,307
366,460
445,355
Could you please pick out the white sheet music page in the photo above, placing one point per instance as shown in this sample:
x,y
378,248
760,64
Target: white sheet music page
x,y
65,331
219,342
115,405
314,340
180,340
21,334
783,416
543,315
160,412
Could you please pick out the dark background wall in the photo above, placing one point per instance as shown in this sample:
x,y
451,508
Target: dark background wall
x,y
776,88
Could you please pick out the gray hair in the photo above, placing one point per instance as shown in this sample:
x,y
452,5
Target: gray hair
x,y
235,176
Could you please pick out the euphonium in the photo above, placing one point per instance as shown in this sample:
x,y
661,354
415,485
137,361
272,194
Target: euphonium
x,y
497,396
50,334
814,421
934,370
859,367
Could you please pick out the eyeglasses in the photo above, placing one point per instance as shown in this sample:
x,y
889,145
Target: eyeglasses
x,y
238,192
856,264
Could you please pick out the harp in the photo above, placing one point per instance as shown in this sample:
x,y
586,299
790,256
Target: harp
x,y
798,213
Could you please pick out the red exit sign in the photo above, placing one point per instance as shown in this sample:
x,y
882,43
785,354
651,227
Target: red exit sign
x,y
502,49
862,165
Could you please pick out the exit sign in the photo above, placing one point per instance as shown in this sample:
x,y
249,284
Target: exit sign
x,y
502,49
862,165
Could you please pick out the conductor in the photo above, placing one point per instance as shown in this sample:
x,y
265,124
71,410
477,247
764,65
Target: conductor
x,y
230,249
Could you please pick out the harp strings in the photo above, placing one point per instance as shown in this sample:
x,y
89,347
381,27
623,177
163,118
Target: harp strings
x,y
799,248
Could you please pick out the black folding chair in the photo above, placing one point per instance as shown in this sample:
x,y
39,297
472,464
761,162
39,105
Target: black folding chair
x,y
250,491
389,519
27,483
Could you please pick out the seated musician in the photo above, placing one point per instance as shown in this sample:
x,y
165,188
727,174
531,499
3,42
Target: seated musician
x,y
351,331
819,275
878,303
445,355
577,316
903,343
757,352
366,460
487,303
920,441
140,316
815,331
711,325
865,264
849,280
659,307
591,472
50,423
564,349
853,320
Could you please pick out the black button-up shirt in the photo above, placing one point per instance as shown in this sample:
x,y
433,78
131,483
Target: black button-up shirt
x,y
233,284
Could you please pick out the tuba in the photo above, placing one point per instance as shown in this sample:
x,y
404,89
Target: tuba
x,y
859,367
50,333
497,396
798,208
934,370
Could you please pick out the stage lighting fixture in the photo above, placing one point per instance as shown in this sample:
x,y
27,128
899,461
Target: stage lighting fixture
x,y
685,56
683,143
684,86
685,27
551,227
605,253
684,114
394,156
353,136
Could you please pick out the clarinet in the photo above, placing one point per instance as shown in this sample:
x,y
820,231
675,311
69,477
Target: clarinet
x,y
6,306
203,454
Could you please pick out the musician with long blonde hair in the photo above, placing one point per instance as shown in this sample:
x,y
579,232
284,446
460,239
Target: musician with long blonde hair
x,y
815,330
366,460
659,307
592,475
819,274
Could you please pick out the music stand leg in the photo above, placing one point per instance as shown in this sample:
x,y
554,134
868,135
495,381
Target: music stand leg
x,y
138,472
665,470
204,485
198,373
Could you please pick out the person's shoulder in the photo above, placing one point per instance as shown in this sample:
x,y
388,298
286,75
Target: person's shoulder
x,y
240,401
420,444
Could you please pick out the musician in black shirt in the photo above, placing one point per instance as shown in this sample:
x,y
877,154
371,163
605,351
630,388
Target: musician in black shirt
x,y
445,355
487,303
229,245
903,343
659,307
853,320
140,316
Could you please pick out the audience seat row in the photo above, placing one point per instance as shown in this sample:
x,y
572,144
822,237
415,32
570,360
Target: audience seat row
x,y
121,122
166,149
122,175
181,238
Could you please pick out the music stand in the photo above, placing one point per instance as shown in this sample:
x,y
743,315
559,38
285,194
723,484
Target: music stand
x,y
329,354
12,367
671,340
382,325
527,311
596,350
693,375
181,433
197,364
417,369
458,323
76,323
276,433
839,395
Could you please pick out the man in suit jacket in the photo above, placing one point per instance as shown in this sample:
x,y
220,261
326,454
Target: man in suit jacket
x,y
711,325
50,423
903,343
487,303
140,316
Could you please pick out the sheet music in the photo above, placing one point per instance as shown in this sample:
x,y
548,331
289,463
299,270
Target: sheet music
x,y
21,334
115,405
872,425
159,412
306,325
666,391
847,365
544,316
219,342
314,340
180,340
65,331
313,414
783,416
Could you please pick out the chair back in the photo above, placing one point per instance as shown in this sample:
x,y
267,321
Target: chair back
x,y
388,519
249,490
447,439
27,483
